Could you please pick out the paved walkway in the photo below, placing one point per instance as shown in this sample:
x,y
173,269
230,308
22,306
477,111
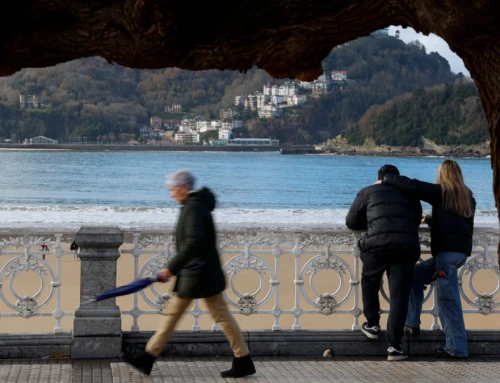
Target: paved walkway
x,y
276,370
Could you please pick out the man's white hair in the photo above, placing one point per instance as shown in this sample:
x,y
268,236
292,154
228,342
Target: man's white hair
x,y
179,178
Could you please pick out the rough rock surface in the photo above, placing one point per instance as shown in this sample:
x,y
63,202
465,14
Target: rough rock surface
x,y
287,38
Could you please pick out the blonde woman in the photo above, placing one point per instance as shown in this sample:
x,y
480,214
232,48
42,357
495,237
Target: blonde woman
x,y
451,224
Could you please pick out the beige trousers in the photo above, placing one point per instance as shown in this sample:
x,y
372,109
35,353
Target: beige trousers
x,y
219,312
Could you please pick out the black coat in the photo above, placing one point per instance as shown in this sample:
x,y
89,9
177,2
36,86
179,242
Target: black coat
x,y
391,219
449,231
196,243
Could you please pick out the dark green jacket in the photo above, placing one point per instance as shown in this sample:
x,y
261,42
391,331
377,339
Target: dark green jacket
x,y
196,244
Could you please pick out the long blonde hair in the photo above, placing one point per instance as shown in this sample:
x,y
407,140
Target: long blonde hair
x,y
455,195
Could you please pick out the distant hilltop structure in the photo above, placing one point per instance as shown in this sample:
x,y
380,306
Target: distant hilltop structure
x,y
30,101
173,108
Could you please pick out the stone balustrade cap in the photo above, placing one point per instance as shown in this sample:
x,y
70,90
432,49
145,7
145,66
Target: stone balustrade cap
x,y
99,236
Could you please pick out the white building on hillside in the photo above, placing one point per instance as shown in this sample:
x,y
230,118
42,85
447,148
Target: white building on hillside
x,y
226,125
269,111
237,124
185,128
277,99
296,100
319,87
306,84
251,102
202,126
226,114
187,138
225,134
339,75
262,99
289,88
267,89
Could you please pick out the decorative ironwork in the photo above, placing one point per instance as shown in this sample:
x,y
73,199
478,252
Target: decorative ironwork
x,y
247,304
26,306
327,303
312,253
151,267
485,302
26,253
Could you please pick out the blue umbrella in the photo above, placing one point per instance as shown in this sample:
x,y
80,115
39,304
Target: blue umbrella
x,y
135,286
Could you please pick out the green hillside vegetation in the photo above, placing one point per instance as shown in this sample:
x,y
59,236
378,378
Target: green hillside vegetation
x,y
378,70
91,98
448,114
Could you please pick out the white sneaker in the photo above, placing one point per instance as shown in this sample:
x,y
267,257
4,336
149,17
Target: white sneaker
x,y
370,332
395,354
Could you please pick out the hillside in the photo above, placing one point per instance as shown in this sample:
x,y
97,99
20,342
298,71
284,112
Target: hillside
x,y
378,70
91,98
448,114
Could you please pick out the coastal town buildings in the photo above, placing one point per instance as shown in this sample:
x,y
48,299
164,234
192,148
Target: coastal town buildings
x,y
296,100
250,102
225,134
268,111
273,98
338,75
268,103
226,114
155,122
187,138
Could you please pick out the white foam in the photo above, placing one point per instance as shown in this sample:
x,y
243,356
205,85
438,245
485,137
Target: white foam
x,y
227,218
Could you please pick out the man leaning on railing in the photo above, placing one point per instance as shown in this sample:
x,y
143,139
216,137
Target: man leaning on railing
x,y
391,244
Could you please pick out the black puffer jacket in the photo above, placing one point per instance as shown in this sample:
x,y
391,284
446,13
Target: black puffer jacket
x,y
391,219
196,245
449,231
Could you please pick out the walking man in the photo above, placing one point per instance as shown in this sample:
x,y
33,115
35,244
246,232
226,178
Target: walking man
x,y
199,275
391,244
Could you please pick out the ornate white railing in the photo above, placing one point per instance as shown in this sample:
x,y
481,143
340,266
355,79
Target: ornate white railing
x,y
311,253
267,254
19,253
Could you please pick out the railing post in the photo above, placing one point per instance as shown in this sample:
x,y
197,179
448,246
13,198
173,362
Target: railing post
x,y
97,325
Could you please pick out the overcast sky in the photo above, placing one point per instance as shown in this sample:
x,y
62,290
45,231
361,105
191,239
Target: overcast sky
x,y
432,43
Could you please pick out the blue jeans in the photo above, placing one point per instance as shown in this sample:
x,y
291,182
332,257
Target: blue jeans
x,y
448,298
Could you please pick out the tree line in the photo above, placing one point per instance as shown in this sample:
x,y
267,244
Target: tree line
x,y
91,98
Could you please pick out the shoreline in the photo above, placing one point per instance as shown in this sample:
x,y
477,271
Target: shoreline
x,y
109,148
474,151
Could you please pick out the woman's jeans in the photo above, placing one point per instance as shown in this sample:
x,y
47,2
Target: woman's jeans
x,y
443,268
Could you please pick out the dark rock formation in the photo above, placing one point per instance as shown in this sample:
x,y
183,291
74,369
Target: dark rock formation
x,y
287,38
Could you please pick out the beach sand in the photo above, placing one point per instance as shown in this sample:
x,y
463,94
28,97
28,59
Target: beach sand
x,y
27,283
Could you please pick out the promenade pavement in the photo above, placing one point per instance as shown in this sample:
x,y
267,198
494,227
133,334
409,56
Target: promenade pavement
x,y
269,369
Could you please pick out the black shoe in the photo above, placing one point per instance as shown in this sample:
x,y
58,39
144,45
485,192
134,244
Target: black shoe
x,y
241,367
142,362
371,332
441,353
415,331
394,354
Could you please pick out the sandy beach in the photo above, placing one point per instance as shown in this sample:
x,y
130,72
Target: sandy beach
x,y
27,283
